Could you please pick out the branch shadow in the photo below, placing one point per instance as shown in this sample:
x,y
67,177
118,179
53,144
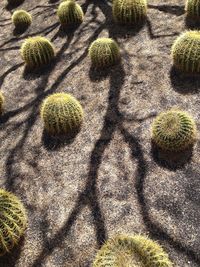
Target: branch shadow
x,y
177,10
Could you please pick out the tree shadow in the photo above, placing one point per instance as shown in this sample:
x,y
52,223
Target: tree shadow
x,y
171,160
184,83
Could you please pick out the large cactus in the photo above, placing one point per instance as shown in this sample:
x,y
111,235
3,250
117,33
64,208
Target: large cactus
x,y
186,52
61,114
104,52
21,19
37,51
70,13
136,250
173,130
1,103
129,11
13,221
192,8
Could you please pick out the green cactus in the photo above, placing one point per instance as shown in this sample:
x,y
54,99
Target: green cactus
x,y
186,52
131,251
129,11
13,221
1,103
62,114
192,8
21,19
37,51
104,52
173,130
70,13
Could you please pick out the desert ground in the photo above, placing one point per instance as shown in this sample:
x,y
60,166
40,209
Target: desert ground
x,y
109,179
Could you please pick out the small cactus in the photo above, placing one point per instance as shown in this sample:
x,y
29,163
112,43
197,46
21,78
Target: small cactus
x,y
104,52
21,19
37,51
192,8
62,114
173,130
1,103
70,13
129,11
136,250
13,221
186,52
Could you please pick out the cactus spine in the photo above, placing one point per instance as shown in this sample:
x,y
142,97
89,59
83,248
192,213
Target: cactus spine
x,y
104,52
136,250
37,51
173,130
192,8
1,103
70,13
13,221
62,114
21,19
186,52
129,11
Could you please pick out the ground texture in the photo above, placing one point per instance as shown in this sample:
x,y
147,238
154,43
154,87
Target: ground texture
x,y
109,178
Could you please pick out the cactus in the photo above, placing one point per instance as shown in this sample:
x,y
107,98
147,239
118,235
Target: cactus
x,y
21,19
192,8
104,52
136,250
37,51
70,13
173,130
1,103
186,52
62,114
13,221
129,11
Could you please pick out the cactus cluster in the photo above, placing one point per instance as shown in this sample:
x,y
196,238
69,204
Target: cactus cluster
x,y
1,103
173,130
21,19
104,52
13,221
186,52
136,250
129,11
62,114
37,51
192,8
70,13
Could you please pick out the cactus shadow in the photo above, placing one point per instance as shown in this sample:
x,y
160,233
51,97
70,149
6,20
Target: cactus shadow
x,y
14,5
184,83
20,30
171,160
192,23
53,143
99,74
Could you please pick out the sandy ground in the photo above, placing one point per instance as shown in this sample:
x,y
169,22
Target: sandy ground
x,y
109,178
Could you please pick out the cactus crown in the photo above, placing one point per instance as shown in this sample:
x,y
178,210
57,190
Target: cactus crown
x,y
173,130
70,13
104,52
61,114
1,103
13,221
192,8
129,11
134,250
186,52
37,51
21,18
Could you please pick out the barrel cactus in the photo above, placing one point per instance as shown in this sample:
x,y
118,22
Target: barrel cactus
x,y
186,52
21,19
136,250
104,52
173,130
129,11
192,9
37,51
1,103
62,114
13,221
70,13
